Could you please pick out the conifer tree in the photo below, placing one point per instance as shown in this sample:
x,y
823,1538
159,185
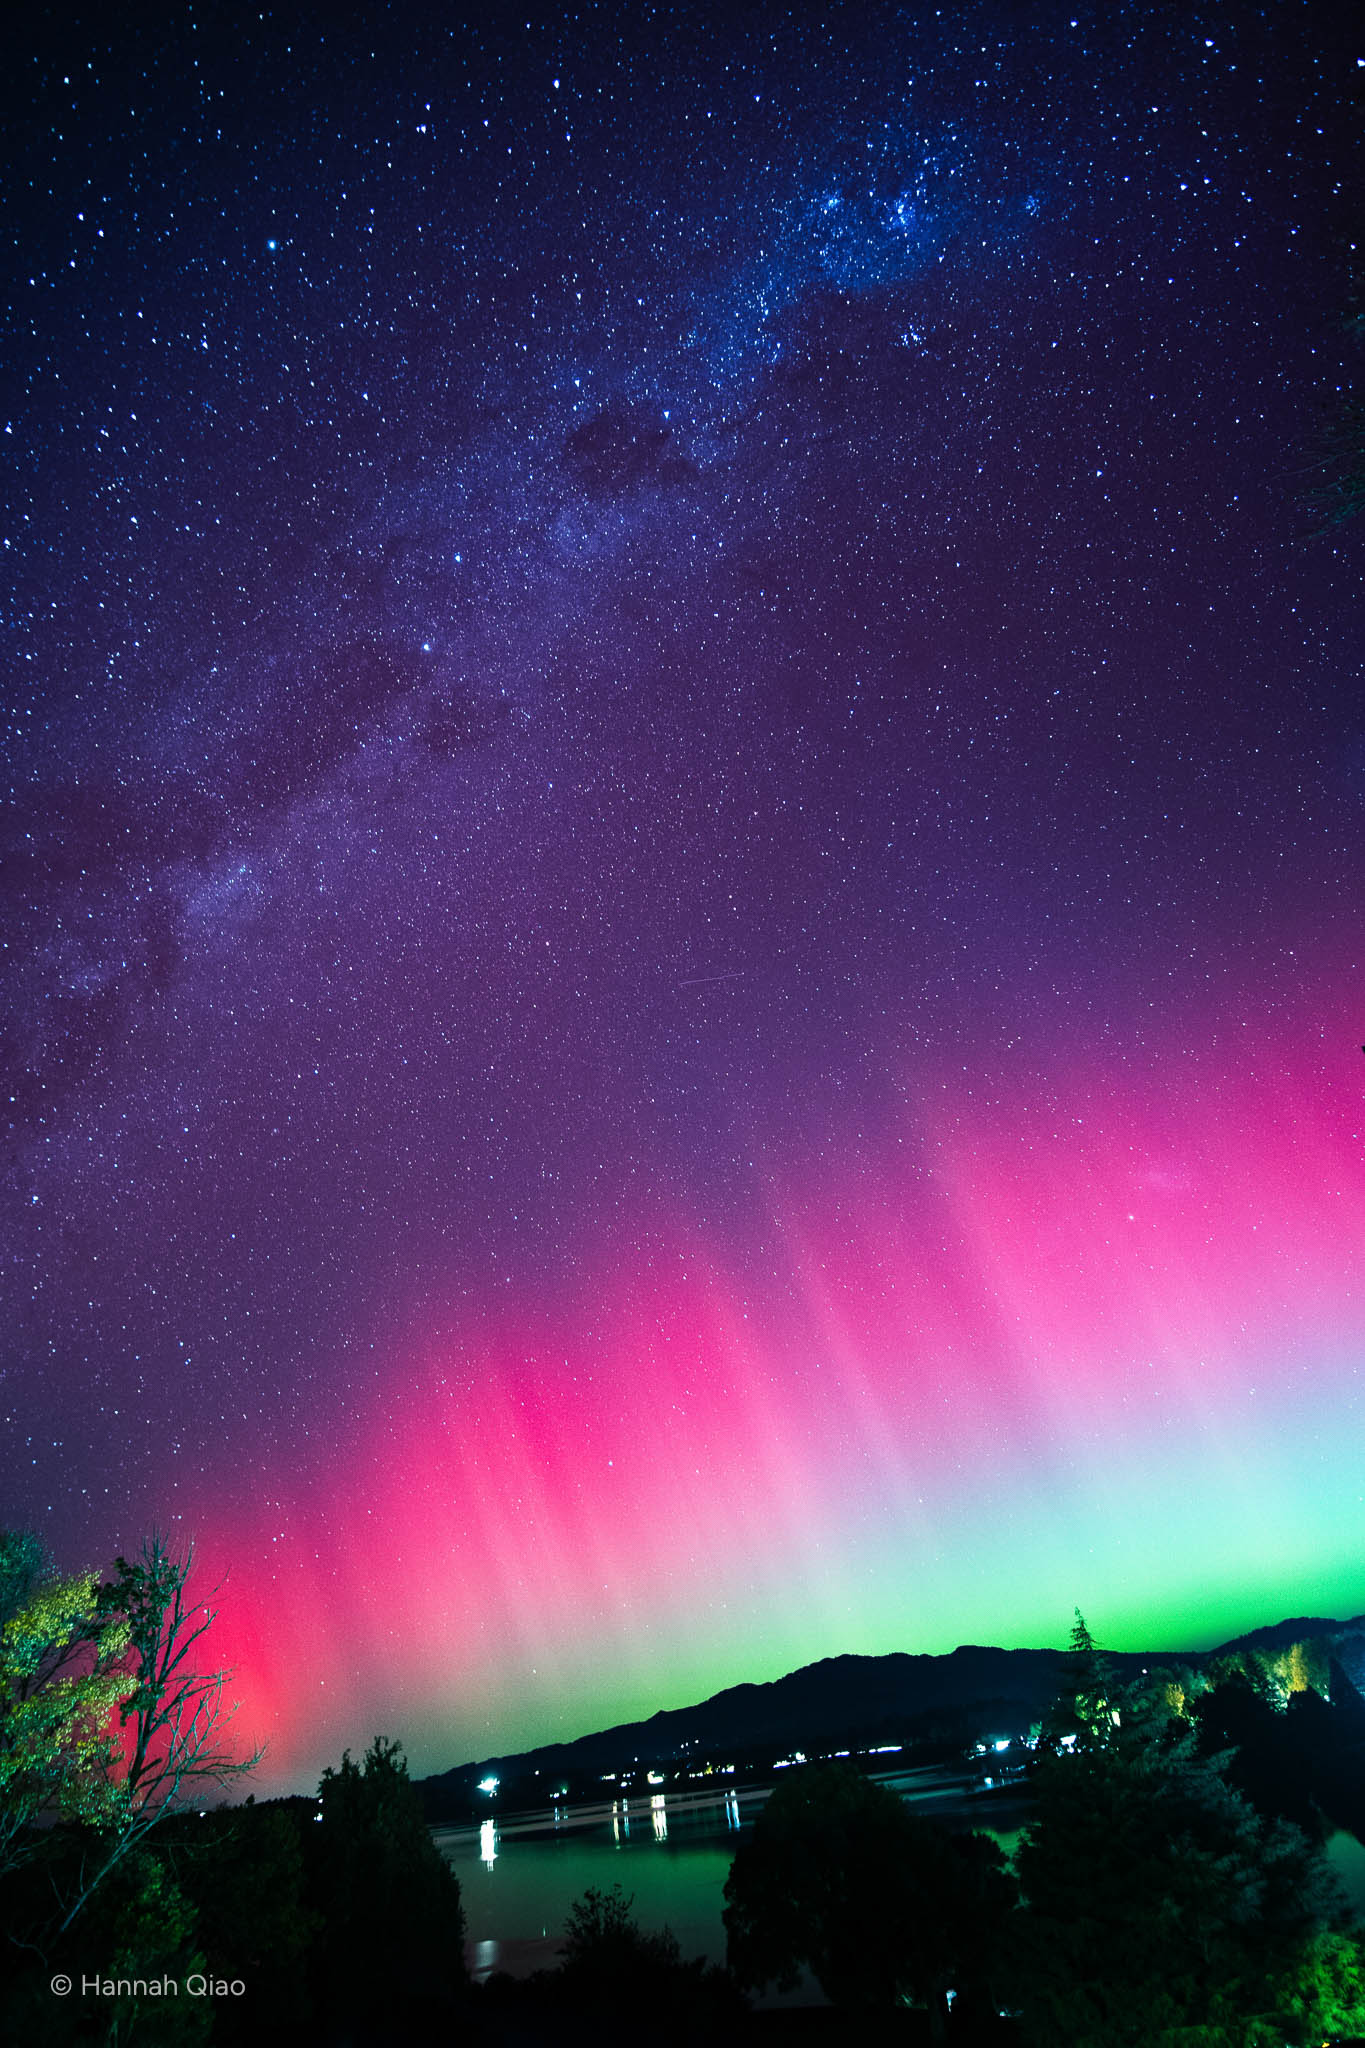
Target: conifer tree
x,y
1160,1909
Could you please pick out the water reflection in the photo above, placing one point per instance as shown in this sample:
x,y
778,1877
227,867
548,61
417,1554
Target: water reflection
x,y
522,1872
693,1814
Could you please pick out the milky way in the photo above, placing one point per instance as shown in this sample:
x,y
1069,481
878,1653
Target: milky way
x,y
682,841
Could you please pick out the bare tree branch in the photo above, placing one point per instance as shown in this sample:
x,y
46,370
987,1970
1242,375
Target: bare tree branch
x,y
174,1720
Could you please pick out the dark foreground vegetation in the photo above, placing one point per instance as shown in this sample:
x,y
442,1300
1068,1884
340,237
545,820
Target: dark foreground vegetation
x,y
1171,1890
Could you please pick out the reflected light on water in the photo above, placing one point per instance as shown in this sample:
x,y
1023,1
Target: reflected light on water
x,y
523,1871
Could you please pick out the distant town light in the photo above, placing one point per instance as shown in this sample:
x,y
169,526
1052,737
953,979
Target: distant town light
x,y
488,1785
1003,1745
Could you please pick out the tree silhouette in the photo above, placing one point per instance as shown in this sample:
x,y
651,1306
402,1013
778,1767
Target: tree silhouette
x,y
1089,1695
172,1714
883,1907
393,1927
62,1677
610,1966
1160,1908
242,1870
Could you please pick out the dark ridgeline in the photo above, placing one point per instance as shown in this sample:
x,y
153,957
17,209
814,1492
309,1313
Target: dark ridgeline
x,y
860,1702
1171,1883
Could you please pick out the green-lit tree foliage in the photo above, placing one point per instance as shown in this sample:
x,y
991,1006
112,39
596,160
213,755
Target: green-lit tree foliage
x,y
1300,1758
143,1927
63,1677
173,1745
1275,1673
1161,1909
1266,1759
139,1928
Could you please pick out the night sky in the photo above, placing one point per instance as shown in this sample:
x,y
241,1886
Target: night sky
x,y
682,965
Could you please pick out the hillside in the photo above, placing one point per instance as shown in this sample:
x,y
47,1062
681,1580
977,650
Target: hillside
x,y
858,1702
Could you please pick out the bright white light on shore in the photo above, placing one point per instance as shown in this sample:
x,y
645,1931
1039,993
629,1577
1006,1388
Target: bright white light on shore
x,y
488,1784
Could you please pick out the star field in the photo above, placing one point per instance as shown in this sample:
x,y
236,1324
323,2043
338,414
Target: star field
x,y
681,834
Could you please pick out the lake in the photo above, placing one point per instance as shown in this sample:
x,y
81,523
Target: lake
x,y
520,1873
